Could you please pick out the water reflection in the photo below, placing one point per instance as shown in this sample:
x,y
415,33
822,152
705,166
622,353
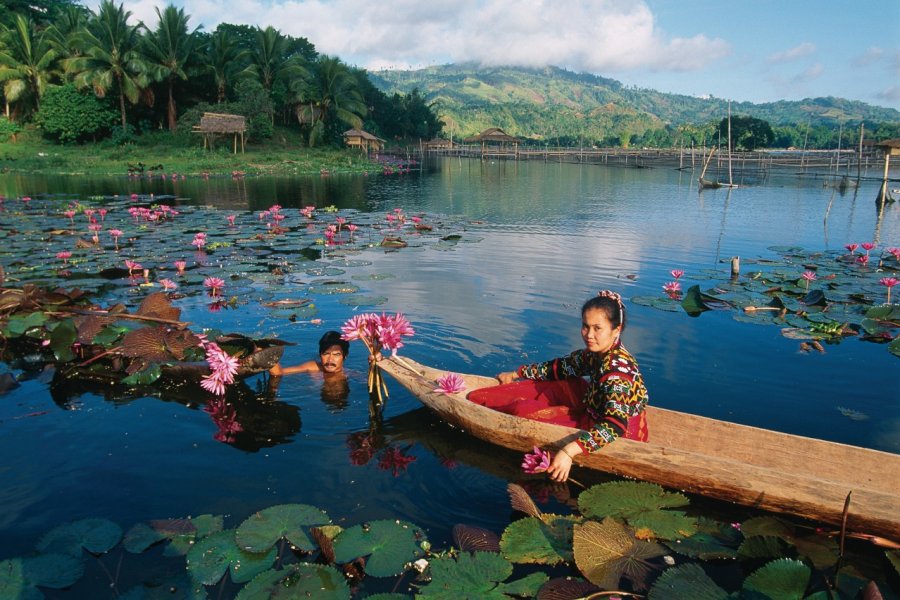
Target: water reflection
x,y
249,417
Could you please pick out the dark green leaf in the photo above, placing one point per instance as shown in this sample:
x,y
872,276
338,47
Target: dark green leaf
x,y
782,579
183,533
140,537
145,377
55,571
687,582
627,499
545,541
262,530
298,580
94,535
211,557
472,576
61,340
391,544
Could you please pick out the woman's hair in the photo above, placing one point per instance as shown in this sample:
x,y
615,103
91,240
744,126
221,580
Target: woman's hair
x,y
610,303
333,338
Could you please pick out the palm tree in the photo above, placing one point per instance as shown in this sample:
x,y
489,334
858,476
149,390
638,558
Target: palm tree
x,y
224,58
271,61
65,31
112,57
333,92
169,50
27,63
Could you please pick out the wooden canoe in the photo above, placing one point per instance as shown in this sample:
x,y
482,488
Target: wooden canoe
x,y
750,466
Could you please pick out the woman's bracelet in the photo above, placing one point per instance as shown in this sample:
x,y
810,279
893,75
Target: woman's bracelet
x,y
567,452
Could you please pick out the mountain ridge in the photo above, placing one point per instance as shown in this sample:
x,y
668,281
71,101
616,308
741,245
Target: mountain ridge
x,y
541,103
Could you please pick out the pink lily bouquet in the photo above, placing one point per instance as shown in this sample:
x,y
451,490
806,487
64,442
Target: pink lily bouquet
x,y
379,333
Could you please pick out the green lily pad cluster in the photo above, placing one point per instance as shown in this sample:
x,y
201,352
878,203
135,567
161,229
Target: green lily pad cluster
x,y
839,297
629,536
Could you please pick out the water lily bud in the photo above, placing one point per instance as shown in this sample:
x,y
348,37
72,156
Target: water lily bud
x,y
420,565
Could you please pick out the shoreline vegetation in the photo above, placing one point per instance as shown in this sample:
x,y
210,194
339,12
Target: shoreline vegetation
x,y
284,154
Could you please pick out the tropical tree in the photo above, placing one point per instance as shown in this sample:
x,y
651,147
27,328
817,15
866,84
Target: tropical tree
x,y
748,133
332,94
41,12
65,31
271,61
27,63
224,59
111,56
169,50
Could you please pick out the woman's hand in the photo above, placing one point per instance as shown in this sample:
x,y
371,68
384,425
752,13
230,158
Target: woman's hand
x,y
507,377
562,462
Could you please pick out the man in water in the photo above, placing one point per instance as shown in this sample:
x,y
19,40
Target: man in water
x,y
332,352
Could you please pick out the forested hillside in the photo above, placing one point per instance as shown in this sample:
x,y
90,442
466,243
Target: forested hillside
x,y
553,105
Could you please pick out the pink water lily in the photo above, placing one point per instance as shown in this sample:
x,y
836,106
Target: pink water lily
x,y
116,233
215,285
199,240
889,282
868,246
677,273
132,266
672,287
71,215
863,259
895,252
808,276
168,284
451,383
536,462
231,219
65,255
180,265
223,368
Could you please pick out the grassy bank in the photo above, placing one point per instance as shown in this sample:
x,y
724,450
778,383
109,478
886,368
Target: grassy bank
x,y
284,154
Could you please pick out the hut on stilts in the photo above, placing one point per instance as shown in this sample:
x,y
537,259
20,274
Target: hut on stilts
x,y
213,124
495,143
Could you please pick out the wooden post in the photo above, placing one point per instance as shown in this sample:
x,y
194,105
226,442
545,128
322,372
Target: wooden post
x,y
735,267
862,129
884,182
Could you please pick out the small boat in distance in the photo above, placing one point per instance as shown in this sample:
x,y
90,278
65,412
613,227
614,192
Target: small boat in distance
x,y
755,467
706,183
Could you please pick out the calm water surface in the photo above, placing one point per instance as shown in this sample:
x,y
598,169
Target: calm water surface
x,y
538,240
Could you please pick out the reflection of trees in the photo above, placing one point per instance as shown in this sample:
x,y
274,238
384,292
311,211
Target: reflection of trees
x,y
247,418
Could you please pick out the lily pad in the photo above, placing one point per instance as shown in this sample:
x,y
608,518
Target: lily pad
x,y
94,535
389,545
479,575
262,530
546,540
627,499
211,557
784,578
298,580
686,582
363,300
184,533
607,551
140,537
20,576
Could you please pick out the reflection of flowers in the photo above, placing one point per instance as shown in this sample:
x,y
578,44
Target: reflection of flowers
x,y
394,460
365,445
536,462
673,290
225,417
451,383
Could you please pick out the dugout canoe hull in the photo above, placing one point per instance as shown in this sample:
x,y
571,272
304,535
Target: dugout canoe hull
x,y
750,466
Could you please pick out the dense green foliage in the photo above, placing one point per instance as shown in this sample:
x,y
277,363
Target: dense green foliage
x,y
69,115
7,129
747,133
158,73
557,107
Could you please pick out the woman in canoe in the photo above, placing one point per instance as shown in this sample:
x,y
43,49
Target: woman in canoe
x,y
608,406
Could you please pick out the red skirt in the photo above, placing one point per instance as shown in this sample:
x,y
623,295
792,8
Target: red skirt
x,y
558,402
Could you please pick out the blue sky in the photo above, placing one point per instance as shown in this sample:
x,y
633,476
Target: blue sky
x,y
756,50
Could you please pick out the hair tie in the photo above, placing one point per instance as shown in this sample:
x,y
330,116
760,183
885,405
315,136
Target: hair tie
x,y
613,296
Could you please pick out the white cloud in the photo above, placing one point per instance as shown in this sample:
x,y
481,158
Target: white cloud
x,y
792,54
583,35
890,95
870,56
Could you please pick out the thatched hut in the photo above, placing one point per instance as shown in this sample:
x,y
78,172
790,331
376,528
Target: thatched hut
x,y
438,144
495,141
365,141
213,124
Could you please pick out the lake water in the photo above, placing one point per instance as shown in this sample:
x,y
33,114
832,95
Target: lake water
x,y
534,241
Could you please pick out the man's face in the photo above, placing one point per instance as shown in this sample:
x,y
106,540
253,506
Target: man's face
x,y
332,359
